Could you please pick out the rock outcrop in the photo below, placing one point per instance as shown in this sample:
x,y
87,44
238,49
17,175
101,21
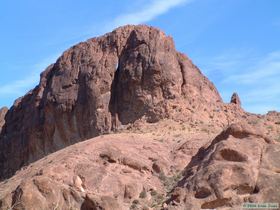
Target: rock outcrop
x,y
96,86
235,99
239,166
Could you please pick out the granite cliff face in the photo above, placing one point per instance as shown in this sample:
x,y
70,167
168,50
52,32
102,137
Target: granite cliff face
x,y
97,86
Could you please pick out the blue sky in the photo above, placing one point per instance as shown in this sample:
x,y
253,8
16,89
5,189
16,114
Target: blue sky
x,y
234,42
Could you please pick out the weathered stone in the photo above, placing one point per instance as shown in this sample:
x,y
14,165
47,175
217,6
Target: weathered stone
x,y
235,99
96,86
232,168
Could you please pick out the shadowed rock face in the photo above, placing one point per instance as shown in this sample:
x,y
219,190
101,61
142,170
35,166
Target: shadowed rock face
x,y
235,99
96,86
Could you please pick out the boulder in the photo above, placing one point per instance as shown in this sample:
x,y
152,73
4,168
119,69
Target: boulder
x,y
239,166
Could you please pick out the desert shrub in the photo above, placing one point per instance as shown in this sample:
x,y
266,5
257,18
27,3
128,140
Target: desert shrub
x,y
143,194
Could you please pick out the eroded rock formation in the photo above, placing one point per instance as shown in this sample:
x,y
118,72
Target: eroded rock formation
x,y
235,99
96,86
239,166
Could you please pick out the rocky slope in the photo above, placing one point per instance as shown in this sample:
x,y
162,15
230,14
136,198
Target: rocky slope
x,y
165,138
112,171
240,165
165,165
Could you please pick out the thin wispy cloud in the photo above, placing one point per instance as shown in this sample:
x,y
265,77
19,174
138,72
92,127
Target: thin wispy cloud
x,y
254,77
265,69
149,12
19,87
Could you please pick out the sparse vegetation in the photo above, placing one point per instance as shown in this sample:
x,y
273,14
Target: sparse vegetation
x,y
269,127
133,206
169,182
145,208
143,194
135,201
253,122
205,130
158,199
153,192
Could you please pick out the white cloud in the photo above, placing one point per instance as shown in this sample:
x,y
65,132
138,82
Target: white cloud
x,y
148,12
19,87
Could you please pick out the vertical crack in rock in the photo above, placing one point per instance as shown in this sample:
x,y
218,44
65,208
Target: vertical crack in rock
x,y
113,104
183,76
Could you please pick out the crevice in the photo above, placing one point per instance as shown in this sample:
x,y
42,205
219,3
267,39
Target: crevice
x,y
113,103
182,68
256,190
116,120
16,197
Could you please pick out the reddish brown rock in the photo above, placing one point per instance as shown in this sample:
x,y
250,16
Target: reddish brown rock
x,y
137,169
97,86
230,172
235,99
80,177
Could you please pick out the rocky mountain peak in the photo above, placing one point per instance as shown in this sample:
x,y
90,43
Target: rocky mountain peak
x,y
97,86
